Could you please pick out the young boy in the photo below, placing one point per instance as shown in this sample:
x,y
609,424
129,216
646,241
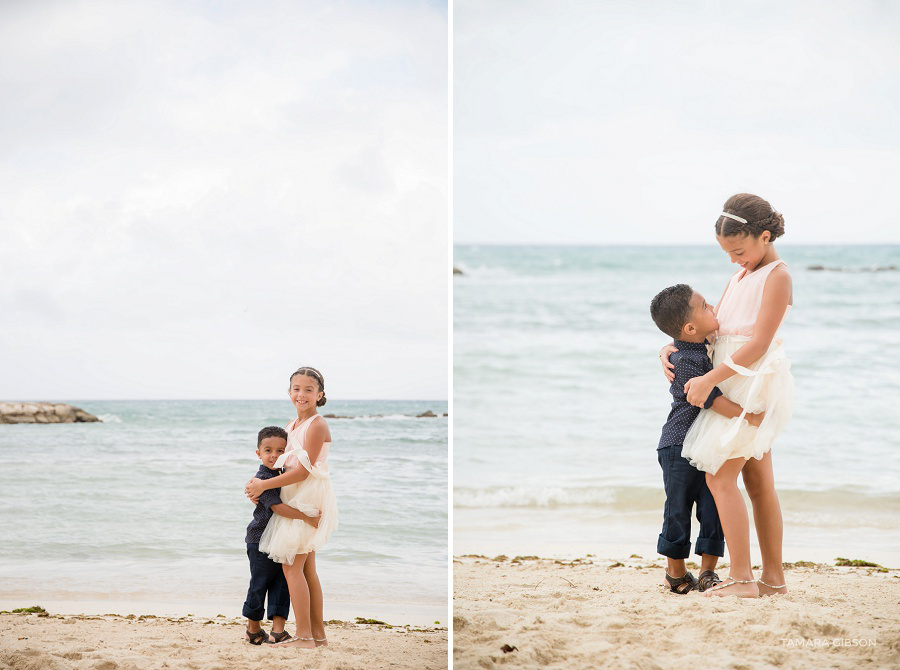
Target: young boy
x,y
267,576
683,314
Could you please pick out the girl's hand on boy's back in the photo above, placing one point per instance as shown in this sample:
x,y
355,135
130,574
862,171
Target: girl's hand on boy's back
x,y
668,367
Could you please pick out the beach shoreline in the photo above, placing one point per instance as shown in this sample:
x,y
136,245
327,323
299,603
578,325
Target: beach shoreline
x,y
588,612
564,532
416,615
37,640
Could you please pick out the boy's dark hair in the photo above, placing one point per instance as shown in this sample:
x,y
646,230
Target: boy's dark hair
x,y
671,309
270,431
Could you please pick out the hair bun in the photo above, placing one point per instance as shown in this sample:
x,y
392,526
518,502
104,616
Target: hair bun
x,y
758,214
321,401
774,224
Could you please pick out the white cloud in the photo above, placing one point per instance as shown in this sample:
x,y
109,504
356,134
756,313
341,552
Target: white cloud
x,y
630,123
195,200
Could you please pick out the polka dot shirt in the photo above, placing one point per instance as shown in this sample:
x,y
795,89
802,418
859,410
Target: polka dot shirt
x,y
691,360
263,512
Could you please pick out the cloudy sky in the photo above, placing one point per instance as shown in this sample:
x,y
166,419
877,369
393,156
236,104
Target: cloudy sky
x,y
196,198
632,122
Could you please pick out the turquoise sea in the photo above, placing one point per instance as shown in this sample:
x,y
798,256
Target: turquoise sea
x,y
559,398
148,507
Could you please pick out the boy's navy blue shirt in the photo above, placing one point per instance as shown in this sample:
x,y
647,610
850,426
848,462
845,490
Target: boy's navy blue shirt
x,y
263,511
691,360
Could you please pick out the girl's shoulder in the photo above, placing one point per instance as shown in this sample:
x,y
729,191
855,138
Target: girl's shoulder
x,y
319,426
779,273
779,286
783,269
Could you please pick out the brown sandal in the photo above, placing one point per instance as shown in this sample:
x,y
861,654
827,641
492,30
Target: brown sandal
x,y
708,578
258,637
682,585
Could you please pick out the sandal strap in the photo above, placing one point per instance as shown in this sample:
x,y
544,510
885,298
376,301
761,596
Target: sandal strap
x,y
770,585
675,582
320,639
730,581
708,578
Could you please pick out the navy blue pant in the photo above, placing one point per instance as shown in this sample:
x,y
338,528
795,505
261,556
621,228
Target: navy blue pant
x,y
685,487
266,577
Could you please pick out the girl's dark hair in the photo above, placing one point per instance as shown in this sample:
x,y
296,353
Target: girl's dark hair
x,y
315,374
757,212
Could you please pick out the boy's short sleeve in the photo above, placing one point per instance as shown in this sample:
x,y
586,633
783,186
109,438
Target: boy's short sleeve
x,y
715,393
269,498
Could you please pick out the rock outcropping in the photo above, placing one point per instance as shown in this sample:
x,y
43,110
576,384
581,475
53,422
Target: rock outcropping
x,y
43,412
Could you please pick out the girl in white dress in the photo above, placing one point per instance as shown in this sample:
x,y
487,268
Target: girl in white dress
x,y
306,486
751,369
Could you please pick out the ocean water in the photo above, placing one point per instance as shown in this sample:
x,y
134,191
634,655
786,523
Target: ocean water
x,y
148,507
559,398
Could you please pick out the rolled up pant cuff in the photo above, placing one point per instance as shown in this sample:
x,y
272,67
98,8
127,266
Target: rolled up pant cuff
x,y
281,611
252,614
672,550
709,546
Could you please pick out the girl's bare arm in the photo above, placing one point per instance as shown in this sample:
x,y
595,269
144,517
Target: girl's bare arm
x,y
728,409
282,509
776,298
316,436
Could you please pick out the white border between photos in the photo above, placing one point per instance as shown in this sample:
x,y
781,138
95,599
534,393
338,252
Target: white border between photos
x,y
450,413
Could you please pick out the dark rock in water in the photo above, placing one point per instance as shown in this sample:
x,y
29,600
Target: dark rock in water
x,y
429,414
335,416
445,414
43,412
457,271
874,268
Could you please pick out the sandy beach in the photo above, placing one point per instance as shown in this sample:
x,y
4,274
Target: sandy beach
x,y
48,641
591,612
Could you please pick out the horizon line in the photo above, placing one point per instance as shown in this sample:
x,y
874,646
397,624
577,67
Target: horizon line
x,y
225,400
662,244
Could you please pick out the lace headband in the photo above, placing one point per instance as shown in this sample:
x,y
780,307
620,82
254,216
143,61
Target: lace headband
x,y
732,216
315,373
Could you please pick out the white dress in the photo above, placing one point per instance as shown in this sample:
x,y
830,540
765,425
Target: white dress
x,y
767,385
284,538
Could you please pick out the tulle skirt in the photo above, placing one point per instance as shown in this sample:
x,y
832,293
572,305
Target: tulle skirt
x,y
766,386
284,538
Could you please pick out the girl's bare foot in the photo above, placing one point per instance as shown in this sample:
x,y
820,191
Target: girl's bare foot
x,y
321,641
301,642
771,589
742,588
